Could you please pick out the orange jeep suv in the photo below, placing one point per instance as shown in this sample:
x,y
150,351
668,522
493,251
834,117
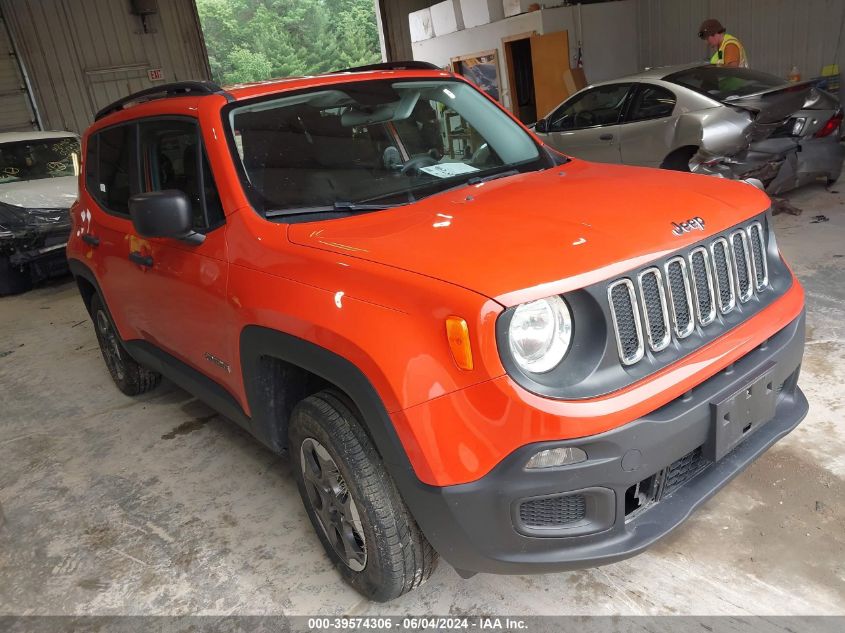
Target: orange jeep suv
x,y
468,344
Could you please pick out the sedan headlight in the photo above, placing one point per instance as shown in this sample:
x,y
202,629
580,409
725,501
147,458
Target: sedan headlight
x,y
540,333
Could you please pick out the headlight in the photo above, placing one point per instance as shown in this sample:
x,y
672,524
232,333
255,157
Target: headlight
x,y
540,333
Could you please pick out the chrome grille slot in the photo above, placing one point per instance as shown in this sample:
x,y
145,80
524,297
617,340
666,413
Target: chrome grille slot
x,y
758,256
626,321
655,315
702,285
723,276
742,264
680,297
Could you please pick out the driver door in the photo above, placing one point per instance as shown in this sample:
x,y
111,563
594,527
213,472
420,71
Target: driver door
x,y
588,124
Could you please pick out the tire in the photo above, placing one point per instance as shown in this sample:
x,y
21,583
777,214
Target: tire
x,y
679,159
13,279
131,378
371,537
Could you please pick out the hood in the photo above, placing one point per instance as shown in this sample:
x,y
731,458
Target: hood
x,y
536,234
44,193
18,221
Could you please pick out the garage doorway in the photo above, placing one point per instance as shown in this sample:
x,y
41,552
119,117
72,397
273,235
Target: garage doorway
x,y
535,66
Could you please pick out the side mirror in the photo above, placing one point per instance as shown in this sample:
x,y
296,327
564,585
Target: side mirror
x,y
164,214
542,126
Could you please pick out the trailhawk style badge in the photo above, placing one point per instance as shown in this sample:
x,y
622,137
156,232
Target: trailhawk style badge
x,y
687,226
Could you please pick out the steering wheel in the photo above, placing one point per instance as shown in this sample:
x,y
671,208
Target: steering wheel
x,y
412,165
585,118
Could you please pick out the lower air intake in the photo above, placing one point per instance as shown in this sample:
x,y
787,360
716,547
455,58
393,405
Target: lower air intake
x,y
551,512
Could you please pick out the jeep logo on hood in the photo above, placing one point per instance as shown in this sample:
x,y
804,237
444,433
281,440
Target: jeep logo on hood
x,y
686,226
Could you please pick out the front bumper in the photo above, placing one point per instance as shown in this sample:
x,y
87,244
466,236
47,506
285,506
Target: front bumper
x,y
477,527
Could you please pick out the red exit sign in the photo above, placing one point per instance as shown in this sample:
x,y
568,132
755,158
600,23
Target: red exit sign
x,y
155,74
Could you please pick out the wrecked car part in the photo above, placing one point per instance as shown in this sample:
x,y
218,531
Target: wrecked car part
x,y
32,243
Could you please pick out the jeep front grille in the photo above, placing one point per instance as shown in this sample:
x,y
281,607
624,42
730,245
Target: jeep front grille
x,y
691,289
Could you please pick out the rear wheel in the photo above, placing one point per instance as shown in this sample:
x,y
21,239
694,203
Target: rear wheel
x,y
353,504
679,159
130,377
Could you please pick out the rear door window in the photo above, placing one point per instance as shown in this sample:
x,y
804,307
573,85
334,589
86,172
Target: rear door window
x,y
113,183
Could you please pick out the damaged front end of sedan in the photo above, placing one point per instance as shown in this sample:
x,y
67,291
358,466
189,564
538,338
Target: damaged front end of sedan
x,y
777,140
32,246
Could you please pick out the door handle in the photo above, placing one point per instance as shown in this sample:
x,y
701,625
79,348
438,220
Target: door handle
x,y
141,260
93,240
606,137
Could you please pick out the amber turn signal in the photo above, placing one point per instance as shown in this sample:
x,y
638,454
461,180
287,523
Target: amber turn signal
x,y
458,334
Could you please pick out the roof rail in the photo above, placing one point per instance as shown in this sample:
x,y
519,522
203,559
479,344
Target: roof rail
x,y
407,65
175,89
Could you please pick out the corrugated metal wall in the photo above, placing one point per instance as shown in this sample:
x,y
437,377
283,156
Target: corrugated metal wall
x,y
14,97
83,54
777,34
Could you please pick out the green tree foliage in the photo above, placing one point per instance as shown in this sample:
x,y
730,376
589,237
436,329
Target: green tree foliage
x,y
251,40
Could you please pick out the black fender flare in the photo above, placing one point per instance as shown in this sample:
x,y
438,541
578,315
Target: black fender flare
x,y
258,343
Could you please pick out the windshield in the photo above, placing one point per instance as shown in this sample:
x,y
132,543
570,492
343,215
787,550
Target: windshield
x,y
722,83
39,158
375,143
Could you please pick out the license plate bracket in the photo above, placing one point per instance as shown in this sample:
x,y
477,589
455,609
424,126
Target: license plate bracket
x,y
740,414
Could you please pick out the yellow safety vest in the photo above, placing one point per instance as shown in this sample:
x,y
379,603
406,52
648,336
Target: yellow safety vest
x,y
719,56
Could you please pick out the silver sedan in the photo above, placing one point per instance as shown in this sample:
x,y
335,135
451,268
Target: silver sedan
x,y
733,123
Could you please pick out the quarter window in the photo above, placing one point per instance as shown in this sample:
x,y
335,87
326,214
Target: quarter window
x,y
652,102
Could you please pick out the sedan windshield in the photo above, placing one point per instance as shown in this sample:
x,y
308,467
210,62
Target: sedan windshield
x,y
721,83
39,158
373,144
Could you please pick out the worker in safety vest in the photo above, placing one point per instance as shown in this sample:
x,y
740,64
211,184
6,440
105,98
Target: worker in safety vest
x,y
729,51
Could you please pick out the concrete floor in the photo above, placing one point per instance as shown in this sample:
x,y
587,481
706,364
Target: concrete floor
x,y
158,506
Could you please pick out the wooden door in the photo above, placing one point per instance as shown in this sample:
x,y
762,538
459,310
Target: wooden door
x,y
549,59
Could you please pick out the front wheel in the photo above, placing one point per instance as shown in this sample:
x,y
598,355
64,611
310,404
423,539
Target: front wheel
x,y
130,377
353,504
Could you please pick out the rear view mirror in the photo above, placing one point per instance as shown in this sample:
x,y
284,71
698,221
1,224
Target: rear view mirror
x,y
164,214
542,126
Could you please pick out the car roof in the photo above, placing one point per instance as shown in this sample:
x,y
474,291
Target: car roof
x,y
15,137
656,73
272,86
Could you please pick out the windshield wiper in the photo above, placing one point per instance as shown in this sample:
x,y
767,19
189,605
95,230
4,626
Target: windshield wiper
x,y
502,174
338,205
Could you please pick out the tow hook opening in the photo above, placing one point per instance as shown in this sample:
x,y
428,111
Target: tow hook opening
x,y
640,495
